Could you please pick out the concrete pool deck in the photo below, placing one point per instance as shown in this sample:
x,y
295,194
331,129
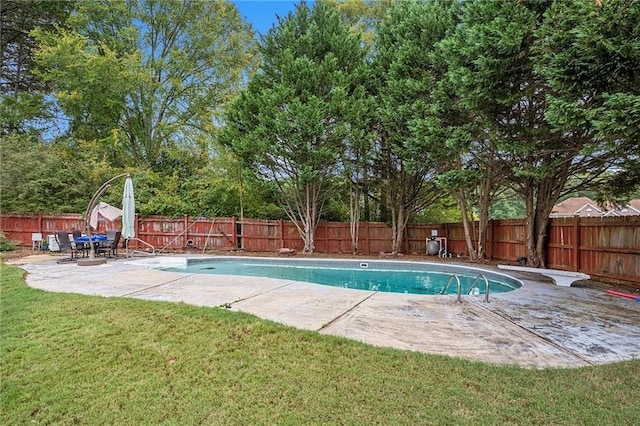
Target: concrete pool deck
x,y
539,325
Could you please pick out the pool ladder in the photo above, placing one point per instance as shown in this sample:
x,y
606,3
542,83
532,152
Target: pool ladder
x,y
473,285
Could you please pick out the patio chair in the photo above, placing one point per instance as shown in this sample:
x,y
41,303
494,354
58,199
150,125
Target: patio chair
x,y
111,245
81,247
65,245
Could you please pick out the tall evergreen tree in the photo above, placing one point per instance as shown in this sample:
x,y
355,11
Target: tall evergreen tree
x,y
406,74
590,53
491,61
292,122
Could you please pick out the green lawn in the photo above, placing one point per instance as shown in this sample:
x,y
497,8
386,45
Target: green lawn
x,y
72,359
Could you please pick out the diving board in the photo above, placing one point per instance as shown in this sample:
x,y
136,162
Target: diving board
x,y
560,278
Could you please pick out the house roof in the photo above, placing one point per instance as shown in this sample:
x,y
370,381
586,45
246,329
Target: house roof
x,y
572,206
632,208
579,205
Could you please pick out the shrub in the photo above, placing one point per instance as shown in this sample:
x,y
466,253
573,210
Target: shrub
x,y
5,244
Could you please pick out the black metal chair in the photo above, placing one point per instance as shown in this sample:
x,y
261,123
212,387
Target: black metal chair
x,y
80,246
110,246
65,245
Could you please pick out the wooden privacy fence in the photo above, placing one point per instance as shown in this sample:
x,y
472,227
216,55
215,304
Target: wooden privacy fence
x,y
602,247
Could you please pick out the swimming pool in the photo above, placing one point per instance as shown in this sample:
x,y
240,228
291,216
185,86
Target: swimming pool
x,y
372,275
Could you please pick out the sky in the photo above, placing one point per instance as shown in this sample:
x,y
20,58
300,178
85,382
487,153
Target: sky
x,y
262,13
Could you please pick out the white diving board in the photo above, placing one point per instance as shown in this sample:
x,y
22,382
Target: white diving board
x,y
561,278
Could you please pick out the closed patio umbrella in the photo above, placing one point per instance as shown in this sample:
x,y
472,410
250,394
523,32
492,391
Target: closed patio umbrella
x,y
92,215
105,210
128,210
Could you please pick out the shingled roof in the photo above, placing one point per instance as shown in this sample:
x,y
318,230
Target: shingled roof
x,y
578,206
586,207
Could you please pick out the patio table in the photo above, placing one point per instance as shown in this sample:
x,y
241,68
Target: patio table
x,y
96,239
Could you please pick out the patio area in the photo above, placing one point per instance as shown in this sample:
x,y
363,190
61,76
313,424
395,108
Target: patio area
x,y
540,325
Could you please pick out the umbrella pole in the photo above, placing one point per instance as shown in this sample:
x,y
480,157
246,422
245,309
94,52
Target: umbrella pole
x,y
92,260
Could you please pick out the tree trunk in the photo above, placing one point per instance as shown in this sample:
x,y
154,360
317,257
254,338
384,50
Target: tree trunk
x,y
536,239
309,220
398,223
541,239
354,216
544,206
366,201
462,201
540,202
530,225
309,240
536,227
483,223
304,212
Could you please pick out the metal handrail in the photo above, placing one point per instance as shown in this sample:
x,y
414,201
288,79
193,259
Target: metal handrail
x,y
446,287
126,245
486,287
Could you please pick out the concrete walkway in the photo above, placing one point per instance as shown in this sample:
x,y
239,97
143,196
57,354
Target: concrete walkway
x,y
540,325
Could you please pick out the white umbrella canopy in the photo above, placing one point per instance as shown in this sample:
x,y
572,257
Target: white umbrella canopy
x,y
128,210
105,210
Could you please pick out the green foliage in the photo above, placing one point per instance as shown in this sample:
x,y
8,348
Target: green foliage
x,y
406,71
225,188
465,95
45,178
61,178
5,244
92,82
213,192
148,75
444,210
20,111
507,206
455,179
362,16
491,61
291,123
590,52
293,108
22,101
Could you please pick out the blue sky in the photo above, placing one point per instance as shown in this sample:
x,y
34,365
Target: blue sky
x,y
262,13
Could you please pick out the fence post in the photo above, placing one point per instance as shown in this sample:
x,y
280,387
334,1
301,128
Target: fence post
x,y
489,248
40,223
186,230
445,231
234,236
405,238
576,245
367,243
326,237
281,228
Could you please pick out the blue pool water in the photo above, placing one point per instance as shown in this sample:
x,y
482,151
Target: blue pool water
x,y
385,276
